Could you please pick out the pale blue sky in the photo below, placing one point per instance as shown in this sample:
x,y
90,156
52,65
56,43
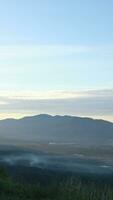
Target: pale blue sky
x,y
55,22
56,45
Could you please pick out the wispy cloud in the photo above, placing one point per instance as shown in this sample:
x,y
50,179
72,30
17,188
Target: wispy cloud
x,y
23,51
34,51
55,94
40,95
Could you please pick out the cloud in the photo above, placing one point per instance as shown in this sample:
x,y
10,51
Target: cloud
x,y
40,95
40,51
55,94
3,103
34,51
96,103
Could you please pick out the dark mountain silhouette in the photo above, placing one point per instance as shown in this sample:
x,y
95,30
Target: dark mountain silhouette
x,y
58,129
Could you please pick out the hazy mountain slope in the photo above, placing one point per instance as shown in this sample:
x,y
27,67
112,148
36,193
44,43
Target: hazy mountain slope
x,y
58,129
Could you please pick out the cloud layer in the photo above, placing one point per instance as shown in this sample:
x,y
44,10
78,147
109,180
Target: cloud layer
x,y
94,103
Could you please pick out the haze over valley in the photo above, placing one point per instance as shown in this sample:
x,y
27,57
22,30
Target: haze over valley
x,y
50,141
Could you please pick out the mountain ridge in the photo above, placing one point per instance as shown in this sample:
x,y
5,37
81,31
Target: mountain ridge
x,y
48,128
54,116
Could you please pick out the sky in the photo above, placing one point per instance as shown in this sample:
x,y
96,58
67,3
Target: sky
x,y
56,57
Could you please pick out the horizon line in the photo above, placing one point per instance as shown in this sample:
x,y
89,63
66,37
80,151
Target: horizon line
x,y
57,115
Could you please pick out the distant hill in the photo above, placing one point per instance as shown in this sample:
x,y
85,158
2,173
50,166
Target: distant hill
x,y
57,129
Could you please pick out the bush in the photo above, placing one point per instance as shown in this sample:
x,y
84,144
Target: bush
x,y
70,189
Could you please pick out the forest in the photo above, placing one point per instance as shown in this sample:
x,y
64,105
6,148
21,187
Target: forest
x,y
66,188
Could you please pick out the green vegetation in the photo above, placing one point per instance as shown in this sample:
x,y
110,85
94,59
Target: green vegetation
x,y
72,189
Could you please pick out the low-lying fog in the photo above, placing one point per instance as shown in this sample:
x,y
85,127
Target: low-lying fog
x,y
75,163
